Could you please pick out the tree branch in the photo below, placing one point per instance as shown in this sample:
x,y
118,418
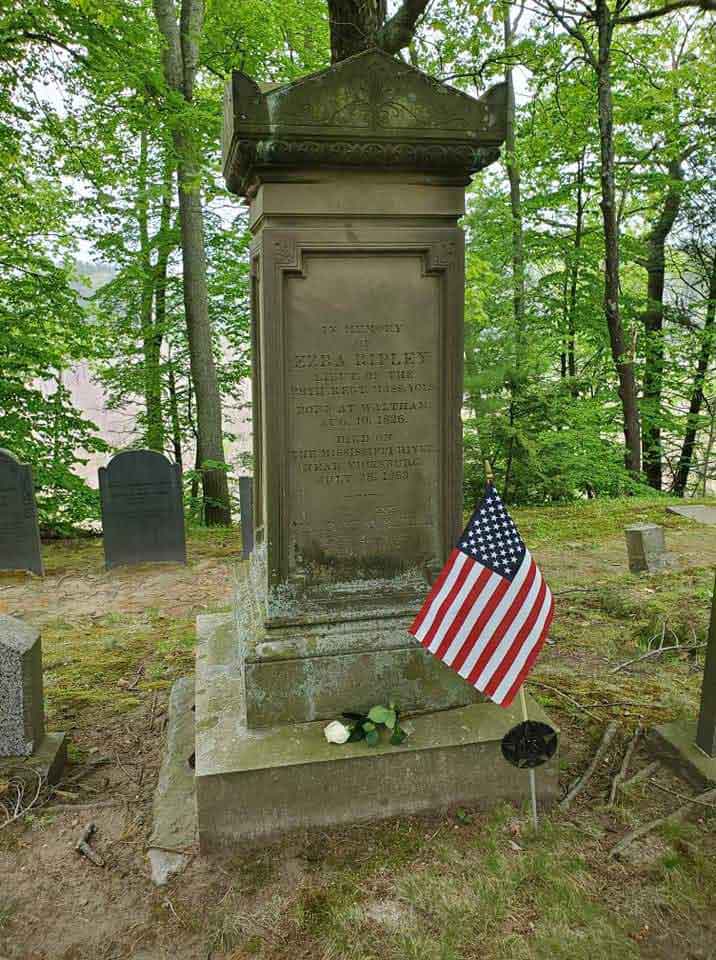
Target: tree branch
x,y
398,32
668,8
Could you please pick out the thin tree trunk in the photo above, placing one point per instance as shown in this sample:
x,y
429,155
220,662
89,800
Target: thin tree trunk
x,y
518,254
574,279
180,61
653,320
151,346
683,469
174,413
620,351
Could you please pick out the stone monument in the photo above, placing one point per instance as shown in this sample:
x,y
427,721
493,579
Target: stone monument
x,y
689,745
23,740
19,532
142,509
355,178
646,548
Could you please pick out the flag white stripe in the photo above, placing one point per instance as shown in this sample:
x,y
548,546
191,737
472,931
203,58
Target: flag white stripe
x,y
455,606
504,645
457,566
497,614
533,637
472,618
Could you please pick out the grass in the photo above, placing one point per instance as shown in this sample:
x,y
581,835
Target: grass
x,y
450,887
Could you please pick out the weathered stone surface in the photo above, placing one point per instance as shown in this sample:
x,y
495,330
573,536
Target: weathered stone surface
x,y
255,784
371,110
46,761
142,509
19,532
22,720
175,824
675,745
646,548
700,514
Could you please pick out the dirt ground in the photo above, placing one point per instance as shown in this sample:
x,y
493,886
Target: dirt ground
x,y
115,641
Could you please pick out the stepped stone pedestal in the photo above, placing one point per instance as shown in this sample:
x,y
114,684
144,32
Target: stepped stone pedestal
x,y
355,178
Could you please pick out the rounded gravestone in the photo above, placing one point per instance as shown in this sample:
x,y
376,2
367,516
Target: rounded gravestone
x,y
19,532
142,509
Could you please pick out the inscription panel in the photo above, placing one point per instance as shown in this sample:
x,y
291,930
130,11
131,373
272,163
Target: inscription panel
x,y
19,533
363,392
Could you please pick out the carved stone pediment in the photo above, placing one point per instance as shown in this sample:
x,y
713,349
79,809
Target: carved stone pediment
x,y
369,110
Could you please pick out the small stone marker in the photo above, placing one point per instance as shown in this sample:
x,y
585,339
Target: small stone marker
x,y
698,513
246,503
22,721
22,712
19,533
647,548
142,509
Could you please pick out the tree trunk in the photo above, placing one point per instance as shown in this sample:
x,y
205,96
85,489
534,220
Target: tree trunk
x,y
151,338
697,395
174,412
623,360
358,25
180,61
653,320
518,255
573,281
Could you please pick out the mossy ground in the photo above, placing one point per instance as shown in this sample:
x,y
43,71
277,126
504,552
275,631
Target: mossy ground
x,y
452,887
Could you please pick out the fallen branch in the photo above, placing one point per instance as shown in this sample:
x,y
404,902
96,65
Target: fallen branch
x,y
641,774
625,765
679,814
580,706
609,734
680,796
656,652
82,846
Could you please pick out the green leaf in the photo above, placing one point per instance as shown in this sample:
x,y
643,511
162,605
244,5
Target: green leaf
x,y
372,737
383,715
368,726
398,736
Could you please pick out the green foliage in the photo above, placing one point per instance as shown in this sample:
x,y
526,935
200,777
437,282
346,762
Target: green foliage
x,y
366,726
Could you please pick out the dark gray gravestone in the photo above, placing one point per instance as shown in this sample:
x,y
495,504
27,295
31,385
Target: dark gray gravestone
x,y
19,533
246,505
142,509
706,727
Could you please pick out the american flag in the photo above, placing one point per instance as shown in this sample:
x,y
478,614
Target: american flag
x,y
488,613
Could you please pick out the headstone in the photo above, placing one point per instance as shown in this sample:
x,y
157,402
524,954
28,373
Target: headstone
x,y
356,181
22,720
19,532
23,741
706,727
246,506
688,745
697,512
142,509
646,548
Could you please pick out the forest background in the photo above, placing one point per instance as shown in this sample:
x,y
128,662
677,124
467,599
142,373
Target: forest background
x,y
591,246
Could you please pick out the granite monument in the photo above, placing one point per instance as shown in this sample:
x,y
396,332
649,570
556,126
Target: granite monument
x,y
355,178
19,532
23,740
142,509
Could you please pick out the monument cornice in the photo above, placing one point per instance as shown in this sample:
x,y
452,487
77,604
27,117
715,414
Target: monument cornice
x,y
371,110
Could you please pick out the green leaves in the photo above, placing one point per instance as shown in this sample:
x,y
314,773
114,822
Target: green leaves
x,y
367,726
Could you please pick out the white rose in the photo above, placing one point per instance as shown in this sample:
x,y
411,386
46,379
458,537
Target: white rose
x,y
336,732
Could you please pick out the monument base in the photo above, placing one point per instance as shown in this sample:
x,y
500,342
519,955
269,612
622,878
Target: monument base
x,y
255,784
48,760
675,745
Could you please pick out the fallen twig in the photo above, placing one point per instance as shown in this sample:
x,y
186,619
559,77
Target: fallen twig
x,y
641,774
82,846
580,706
681,796
674,817
656,652
618,777
609,734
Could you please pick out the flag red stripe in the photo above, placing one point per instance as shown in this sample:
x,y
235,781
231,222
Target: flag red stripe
x,y
445,605
434,591
468,604
507,619
477,628
522,635
534,653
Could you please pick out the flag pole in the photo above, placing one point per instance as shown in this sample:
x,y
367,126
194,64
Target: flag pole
x,y
533,778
